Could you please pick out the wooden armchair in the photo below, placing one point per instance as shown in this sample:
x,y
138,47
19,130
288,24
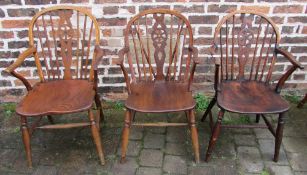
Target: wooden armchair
x,y
161,61
64,41
245,49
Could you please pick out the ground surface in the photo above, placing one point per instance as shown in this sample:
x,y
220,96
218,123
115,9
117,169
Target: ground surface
x,y
154,151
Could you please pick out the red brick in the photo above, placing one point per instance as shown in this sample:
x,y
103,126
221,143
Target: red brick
x,y
288,9
112,21
301,19
294,40
262,9
2,13
22,12
190,9
8,2
109,1
6,34
299,76
74,1
111,10
205,30
40,2
221,8
203,19
15,23
304,31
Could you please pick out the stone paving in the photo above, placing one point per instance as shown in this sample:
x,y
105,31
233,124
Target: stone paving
x,y
155,151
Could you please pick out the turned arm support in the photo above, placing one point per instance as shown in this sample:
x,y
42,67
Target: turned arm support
x,y
194,52
295,65
17,63
212,51
120,62
98,58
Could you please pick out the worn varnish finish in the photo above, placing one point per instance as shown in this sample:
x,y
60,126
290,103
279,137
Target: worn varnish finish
x,y
161,61
245,50
64,41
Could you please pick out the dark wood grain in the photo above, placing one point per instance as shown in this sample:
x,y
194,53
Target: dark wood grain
x,y
250,97
57,97
157,97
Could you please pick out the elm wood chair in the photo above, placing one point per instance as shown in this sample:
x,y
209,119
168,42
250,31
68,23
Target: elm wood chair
x,y
160,60
302,102
64,41
245,49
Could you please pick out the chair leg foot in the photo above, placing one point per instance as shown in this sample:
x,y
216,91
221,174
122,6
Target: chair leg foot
x,y
279,134
194,135
214,135
208,110
96,137
125,135
257,118
26,140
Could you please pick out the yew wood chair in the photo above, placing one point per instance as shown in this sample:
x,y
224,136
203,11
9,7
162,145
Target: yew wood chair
x,y
158,69
64,42
245,50
302,102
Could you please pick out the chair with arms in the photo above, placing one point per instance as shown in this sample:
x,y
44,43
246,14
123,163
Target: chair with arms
x,y
245,49
161,61
64,41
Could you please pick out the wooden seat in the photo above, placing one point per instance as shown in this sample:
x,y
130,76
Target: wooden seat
x,y
62,96
250,97
245,49
64,41
160,97
161,58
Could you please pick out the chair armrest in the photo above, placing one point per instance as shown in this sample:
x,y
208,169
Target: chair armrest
x,y
284,77
20,59
17,63
289,56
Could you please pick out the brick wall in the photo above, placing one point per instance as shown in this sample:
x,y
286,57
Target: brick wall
x,y
290,16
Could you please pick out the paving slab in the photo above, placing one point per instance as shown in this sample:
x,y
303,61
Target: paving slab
x,y
148,171
245,140
279,170
249,159
154,141
151,157
175,148
298,161
175,165
267,148
202,170
295,144
134,148
127,168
